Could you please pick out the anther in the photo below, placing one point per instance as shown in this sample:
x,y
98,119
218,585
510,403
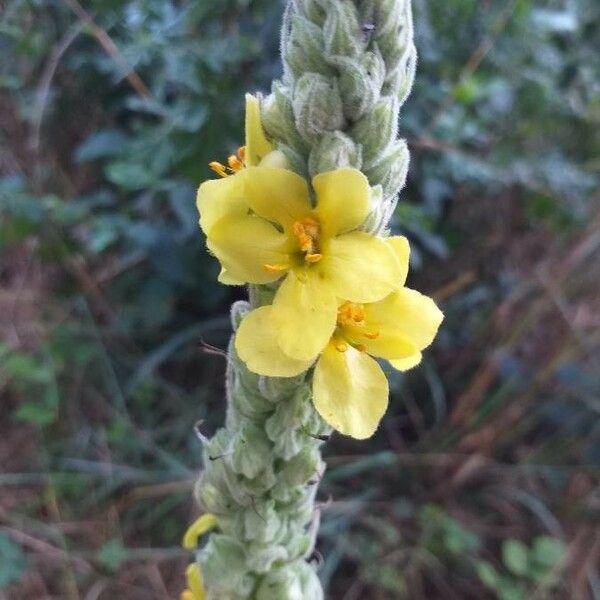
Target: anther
x,y
313,258
235,164
275,268
372,335
341,347
218,168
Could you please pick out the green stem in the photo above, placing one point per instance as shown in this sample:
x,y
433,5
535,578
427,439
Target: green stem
x,y
348,67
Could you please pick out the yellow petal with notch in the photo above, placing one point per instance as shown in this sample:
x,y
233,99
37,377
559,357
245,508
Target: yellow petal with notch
x,y
409,314
343,198
218,198
304,314
245,244
277,195
360,267
350,391
256,344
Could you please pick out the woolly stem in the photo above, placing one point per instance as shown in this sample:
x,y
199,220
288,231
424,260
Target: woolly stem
x,y
348,67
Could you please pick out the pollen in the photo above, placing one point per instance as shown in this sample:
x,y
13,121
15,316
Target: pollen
x,y
235,164
351,314
307,232
186,595
341,346
276,268
371,335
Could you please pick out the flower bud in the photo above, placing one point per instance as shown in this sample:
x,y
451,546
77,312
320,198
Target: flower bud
x,y
317,106
334,151
305,48
341,31
377,129
391,169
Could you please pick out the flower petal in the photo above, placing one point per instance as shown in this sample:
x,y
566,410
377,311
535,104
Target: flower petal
x,y
257,145
226,278
218,198
401,249
304,314
195,581
244,244
343,198
388,343
277,195
405,313
360,267
256,344
200,526
404,364
350,391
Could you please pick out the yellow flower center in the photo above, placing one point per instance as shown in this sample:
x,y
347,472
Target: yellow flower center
x,y
351,324
307,232
236,162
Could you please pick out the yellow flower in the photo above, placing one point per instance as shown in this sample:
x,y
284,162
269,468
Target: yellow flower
x,y
257,150
195,584
350,391
261,226
257,146
201,525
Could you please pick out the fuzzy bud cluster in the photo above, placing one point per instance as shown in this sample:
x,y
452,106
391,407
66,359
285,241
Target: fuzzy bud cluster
x,y
348,67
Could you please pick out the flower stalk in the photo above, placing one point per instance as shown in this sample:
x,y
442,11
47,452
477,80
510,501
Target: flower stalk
x,y
332,119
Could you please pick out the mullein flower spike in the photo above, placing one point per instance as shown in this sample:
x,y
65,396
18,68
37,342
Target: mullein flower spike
x,y
300,214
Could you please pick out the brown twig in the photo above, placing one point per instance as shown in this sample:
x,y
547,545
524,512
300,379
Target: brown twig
x,y
111,48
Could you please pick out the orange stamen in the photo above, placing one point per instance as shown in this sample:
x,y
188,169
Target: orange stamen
x,y
186,595
313,258
235,164
307,233
218,168
275,268
372,335
351,314
242,153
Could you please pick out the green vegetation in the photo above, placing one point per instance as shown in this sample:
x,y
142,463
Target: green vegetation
x,y
480,483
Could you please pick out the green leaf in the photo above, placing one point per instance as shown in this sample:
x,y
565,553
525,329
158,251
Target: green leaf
x,y
12,561
547,551
106,142
112,554
129,176
36,413
515,556
488,574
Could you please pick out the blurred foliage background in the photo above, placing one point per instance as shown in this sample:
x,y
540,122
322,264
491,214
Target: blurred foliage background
x,y
482,481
